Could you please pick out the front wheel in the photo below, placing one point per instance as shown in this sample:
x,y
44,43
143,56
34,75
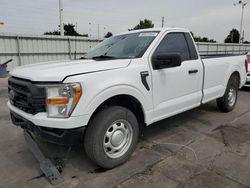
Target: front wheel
x,y
229,100
111,137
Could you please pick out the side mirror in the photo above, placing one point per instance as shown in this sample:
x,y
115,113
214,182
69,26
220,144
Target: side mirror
x,y
163,61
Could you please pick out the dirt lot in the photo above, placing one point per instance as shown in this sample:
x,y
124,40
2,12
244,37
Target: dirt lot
x,y
199,148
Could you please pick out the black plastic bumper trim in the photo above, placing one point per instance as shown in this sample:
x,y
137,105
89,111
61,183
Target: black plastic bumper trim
x,y
68,137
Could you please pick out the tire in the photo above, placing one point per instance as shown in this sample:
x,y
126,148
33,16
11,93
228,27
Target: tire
x,y
111,137
228,101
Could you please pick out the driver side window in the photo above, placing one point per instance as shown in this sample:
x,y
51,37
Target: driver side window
x,y
174,43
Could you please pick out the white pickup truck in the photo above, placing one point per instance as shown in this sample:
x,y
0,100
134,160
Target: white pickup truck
x,y
126,82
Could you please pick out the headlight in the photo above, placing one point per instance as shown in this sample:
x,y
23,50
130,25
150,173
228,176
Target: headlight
x,y
62,99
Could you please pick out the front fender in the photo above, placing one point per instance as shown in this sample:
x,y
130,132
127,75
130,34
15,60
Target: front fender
x,y
113,91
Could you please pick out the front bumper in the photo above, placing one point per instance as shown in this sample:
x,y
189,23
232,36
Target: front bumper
x,y
57,136
42,120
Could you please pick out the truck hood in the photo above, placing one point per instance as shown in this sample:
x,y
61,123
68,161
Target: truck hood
x,y
56,71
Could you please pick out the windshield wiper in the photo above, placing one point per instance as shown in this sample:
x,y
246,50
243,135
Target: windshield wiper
x,y
103,57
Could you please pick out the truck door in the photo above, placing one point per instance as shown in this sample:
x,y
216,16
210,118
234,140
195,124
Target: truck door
x,y
177,75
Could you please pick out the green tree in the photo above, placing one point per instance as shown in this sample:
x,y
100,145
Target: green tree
x,y
233,36
202,39
52,33
69,30
109,34
143,24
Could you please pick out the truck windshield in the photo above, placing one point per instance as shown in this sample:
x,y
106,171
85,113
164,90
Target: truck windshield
x,y
125,46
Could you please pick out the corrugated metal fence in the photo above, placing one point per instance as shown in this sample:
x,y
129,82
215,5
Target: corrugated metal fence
x,y
222,48
27,49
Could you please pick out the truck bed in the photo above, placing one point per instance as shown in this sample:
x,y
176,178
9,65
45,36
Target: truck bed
x,y
218,69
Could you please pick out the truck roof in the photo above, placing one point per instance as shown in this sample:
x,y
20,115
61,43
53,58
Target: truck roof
x,y
155,29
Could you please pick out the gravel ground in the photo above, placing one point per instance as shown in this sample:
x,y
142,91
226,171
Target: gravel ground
x,y
199,148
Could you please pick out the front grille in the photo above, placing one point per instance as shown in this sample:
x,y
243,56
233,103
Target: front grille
x,y
26,96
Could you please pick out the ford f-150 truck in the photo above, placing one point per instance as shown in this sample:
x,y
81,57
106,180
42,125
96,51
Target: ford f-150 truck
x,y
126,82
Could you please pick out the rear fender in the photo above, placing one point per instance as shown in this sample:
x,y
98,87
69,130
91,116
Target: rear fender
x,y
229,73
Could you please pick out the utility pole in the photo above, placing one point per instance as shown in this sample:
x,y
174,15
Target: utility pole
x,y
98,30
242,17
61,18
162,21
243,36
76,42
104,31
241,22
90,30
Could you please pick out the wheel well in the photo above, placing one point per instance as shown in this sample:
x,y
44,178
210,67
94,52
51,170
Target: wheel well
x,y
237,76
125,101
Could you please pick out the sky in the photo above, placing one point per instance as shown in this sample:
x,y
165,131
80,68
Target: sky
x,y
213,19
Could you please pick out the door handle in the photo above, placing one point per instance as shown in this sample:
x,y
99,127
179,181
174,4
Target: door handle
x,y
193,71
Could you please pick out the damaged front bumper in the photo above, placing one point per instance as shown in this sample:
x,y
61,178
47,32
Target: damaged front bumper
x,y
58,136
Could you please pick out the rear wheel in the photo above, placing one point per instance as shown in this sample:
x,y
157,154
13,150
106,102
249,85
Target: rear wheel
x,y
229,100
111,137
